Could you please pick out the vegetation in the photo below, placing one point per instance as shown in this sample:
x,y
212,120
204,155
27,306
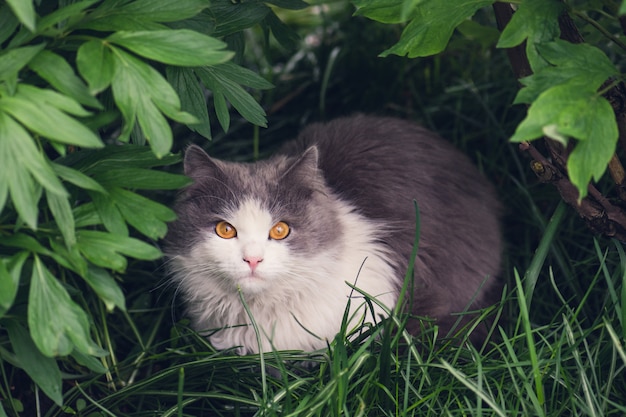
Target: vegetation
x,y
96,98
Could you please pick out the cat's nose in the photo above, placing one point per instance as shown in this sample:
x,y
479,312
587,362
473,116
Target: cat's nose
x,y
252,261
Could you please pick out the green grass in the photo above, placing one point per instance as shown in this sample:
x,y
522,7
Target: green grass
x,y
559,349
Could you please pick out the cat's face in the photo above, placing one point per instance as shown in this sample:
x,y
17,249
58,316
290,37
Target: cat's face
x,y
252,226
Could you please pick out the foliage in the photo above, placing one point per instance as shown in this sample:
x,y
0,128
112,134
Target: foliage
x,y
83,85
563,355
565,91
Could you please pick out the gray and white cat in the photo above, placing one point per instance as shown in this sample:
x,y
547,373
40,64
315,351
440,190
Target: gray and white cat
x,y
334,206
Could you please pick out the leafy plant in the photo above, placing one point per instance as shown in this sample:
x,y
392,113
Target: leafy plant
x,y
573,89
83,86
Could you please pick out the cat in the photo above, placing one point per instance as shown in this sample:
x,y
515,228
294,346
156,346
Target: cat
x,y
334,207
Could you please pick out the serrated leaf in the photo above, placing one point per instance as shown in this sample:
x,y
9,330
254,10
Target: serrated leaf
x,y
106,287
70,327
55,69
15,59
580,65
45,119
95,64
192,98
44,371
62,212
566,111
24,11
175,47
590,157
10,273
138,90
536,21
145,215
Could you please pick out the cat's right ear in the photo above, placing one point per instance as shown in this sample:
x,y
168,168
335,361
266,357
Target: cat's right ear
x,y
198,164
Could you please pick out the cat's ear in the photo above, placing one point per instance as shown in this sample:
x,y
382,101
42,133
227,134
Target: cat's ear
x,y
305,166
198,164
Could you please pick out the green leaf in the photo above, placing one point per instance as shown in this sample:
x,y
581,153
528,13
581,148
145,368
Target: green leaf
x,y
16,59
286,36
57,324
221,109
92,162
62,212
10,272
44,371
384,11
175,47
109,214
46,119
582,65
245,104
54,69
142,14
105,286
622,8
234,17
95,64
143,179
90,362
140,92
590,157
431,26
8,24
145,215
77,178
106,249
566,111
74,10
536,21
289,4
24,11
21,162
192,98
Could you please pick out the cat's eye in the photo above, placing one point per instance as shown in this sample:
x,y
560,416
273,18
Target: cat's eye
x,y
225,230
279,231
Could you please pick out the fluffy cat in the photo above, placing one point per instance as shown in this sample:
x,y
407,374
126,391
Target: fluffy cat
x,y
333,206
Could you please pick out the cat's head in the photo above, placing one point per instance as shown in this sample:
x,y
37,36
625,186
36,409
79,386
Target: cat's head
x,y
253,225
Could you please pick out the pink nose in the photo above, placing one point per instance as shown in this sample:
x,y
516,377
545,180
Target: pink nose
x,y
252,261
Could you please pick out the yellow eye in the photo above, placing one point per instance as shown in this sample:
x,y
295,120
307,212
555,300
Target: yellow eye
x,y
279,231
225,230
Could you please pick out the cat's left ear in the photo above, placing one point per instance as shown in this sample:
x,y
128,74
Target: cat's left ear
x,y
305,167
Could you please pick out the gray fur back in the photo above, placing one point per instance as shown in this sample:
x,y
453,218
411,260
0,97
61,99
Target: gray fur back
x,y
381,165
